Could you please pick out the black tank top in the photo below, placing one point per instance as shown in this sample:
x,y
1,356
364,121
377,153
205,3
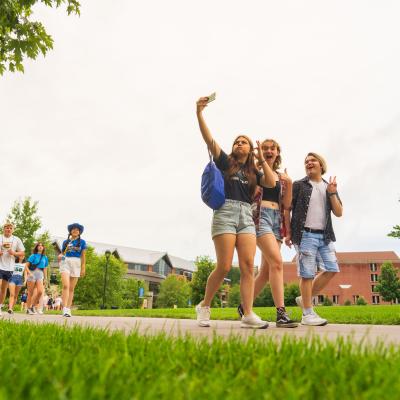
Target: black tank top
x,y
272,194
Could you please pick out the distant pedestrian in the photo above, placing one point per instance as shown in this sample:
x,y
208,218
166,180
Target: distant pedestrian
x,y
24,298
17,280
72,262
312,233
10,248
37,274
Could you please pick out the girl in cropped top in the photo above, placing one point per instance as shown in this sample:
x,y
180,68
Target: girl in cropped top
x,y
232,224
270,229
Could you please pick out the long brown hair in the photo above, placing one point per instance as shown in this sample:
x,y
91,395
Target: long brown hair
x,y
249,168
35,249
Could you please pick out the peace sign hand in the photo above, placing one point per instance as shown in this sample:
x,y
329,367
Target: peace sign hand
x,y
332,185
285,177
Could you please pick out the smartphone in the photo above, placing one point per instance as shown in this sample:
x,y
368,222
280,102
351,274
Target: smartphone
x,y
211,97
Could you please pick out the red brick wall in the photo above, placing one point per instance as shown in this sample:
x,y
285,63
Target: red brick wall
x,y
358,275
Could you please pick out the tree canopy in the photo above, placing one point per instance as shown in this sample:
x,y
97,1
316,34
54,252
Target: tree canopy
x,y
20,36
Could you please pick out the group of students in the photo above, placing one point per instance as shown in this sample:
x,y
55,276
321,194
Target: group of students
x,y
264,208
16,271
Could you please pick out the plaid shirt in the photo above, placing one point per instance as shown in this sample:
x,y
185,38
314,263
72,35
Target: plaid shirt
x,y
302,190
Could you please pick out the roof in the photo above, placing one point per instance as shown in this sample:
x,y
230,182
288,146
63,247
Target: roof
x,y
365,257
137,256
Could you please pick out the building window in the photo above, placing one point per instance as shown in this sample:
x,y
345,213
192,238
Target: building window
x,y
373,267
162,268
137,267
375,299
372,288
355,298
374,277
320,298
335,299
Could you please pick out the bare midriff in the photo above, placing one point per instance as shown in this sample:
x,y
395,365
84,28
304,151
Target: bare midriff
x,y
270,204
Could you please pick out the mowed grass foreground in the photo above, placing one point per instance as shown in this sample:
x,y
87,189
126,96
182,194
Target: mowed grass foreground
x,y
53,362
377,315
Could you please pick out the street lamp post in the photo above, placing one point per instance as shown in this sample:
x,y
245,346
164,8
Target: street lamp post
x,y
107,254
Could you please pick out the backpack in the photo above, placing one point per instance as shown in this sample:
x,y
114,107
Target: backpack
x,y
212,185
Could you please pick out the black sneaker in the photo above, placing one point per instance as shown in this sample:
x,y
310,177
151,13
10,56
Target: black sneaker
x,y
10,311
284,321
240,311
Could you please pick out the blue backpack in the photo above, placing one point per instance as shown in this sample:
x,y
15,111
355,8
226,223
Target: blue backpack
x,y
212,186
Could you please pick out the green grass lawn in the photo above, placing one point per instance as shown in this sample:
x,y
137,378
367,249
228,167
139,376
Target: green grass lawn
x,y
55,362
382,315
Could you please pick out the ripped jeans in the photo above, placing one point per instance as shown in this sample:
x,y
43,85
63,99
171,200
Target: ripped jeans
x,y
314,253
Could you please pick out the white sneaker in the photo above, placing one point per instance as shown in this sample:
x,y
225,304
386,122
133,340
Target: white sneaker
x,y
253,321
203,315
67,312
31,311
313,320
40,311
299,302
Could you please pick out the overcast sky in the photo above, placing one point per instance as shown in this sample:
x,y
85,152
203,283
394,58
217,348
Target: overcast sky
x,y
103,129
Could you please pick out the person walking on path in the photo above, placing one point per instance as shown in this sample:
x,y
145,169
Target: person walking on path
x,y
72,260
270,227
10,248
312,233
17,280
37,266
232,224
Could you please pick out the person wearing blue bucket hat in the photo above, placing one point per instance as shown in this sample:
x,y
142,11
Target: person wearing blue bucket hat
x,y
72,260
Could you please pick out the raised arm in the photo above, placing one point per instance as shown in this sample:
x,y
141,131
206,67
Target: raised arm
x,y
205,132
268,179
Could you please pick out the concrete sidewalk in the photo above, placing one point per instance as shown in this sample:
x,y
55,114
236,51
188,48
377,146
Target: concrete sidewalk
x,y
174,327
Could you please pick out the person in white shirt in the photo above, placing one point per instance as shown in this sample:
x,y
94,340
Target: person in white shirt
x,y
10,248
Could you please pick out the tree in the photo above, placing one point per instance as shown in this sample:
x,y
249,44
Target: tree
x,y
265,299
89,290
291,292
21,37
199,281
130,293
234,275
174,290
388,283
24,216
395,232
234,296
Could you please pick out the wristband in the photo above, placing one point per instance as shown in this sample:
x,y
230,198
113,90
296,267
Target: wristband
x,y
332,194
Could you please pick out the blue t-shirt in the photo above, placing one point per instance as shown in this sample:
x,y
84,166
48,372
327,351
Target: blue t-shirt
x,y
74,248
40,261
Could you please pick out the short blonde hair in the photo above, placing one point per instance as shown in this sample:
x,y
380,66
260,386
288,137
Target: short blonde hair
x,y
8,223
321,161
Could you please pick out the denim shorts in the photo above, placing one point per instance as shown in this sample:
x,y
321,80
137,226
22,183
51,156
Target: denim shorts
x,y
37,275
16,280
233,217
270,222
5,275
314,253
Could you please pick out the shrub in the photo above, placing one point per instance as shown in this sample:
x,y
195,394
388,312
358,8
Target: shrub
x,y
347,303
327,301
361,301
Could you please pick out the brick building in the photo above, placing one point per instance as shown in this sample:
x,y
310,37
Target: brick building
x,y
358,276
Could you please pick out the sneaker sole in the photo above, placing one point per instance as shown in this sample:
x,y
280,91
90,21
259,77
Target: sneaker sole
x,y
291,325
320,324
204,324
248,326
